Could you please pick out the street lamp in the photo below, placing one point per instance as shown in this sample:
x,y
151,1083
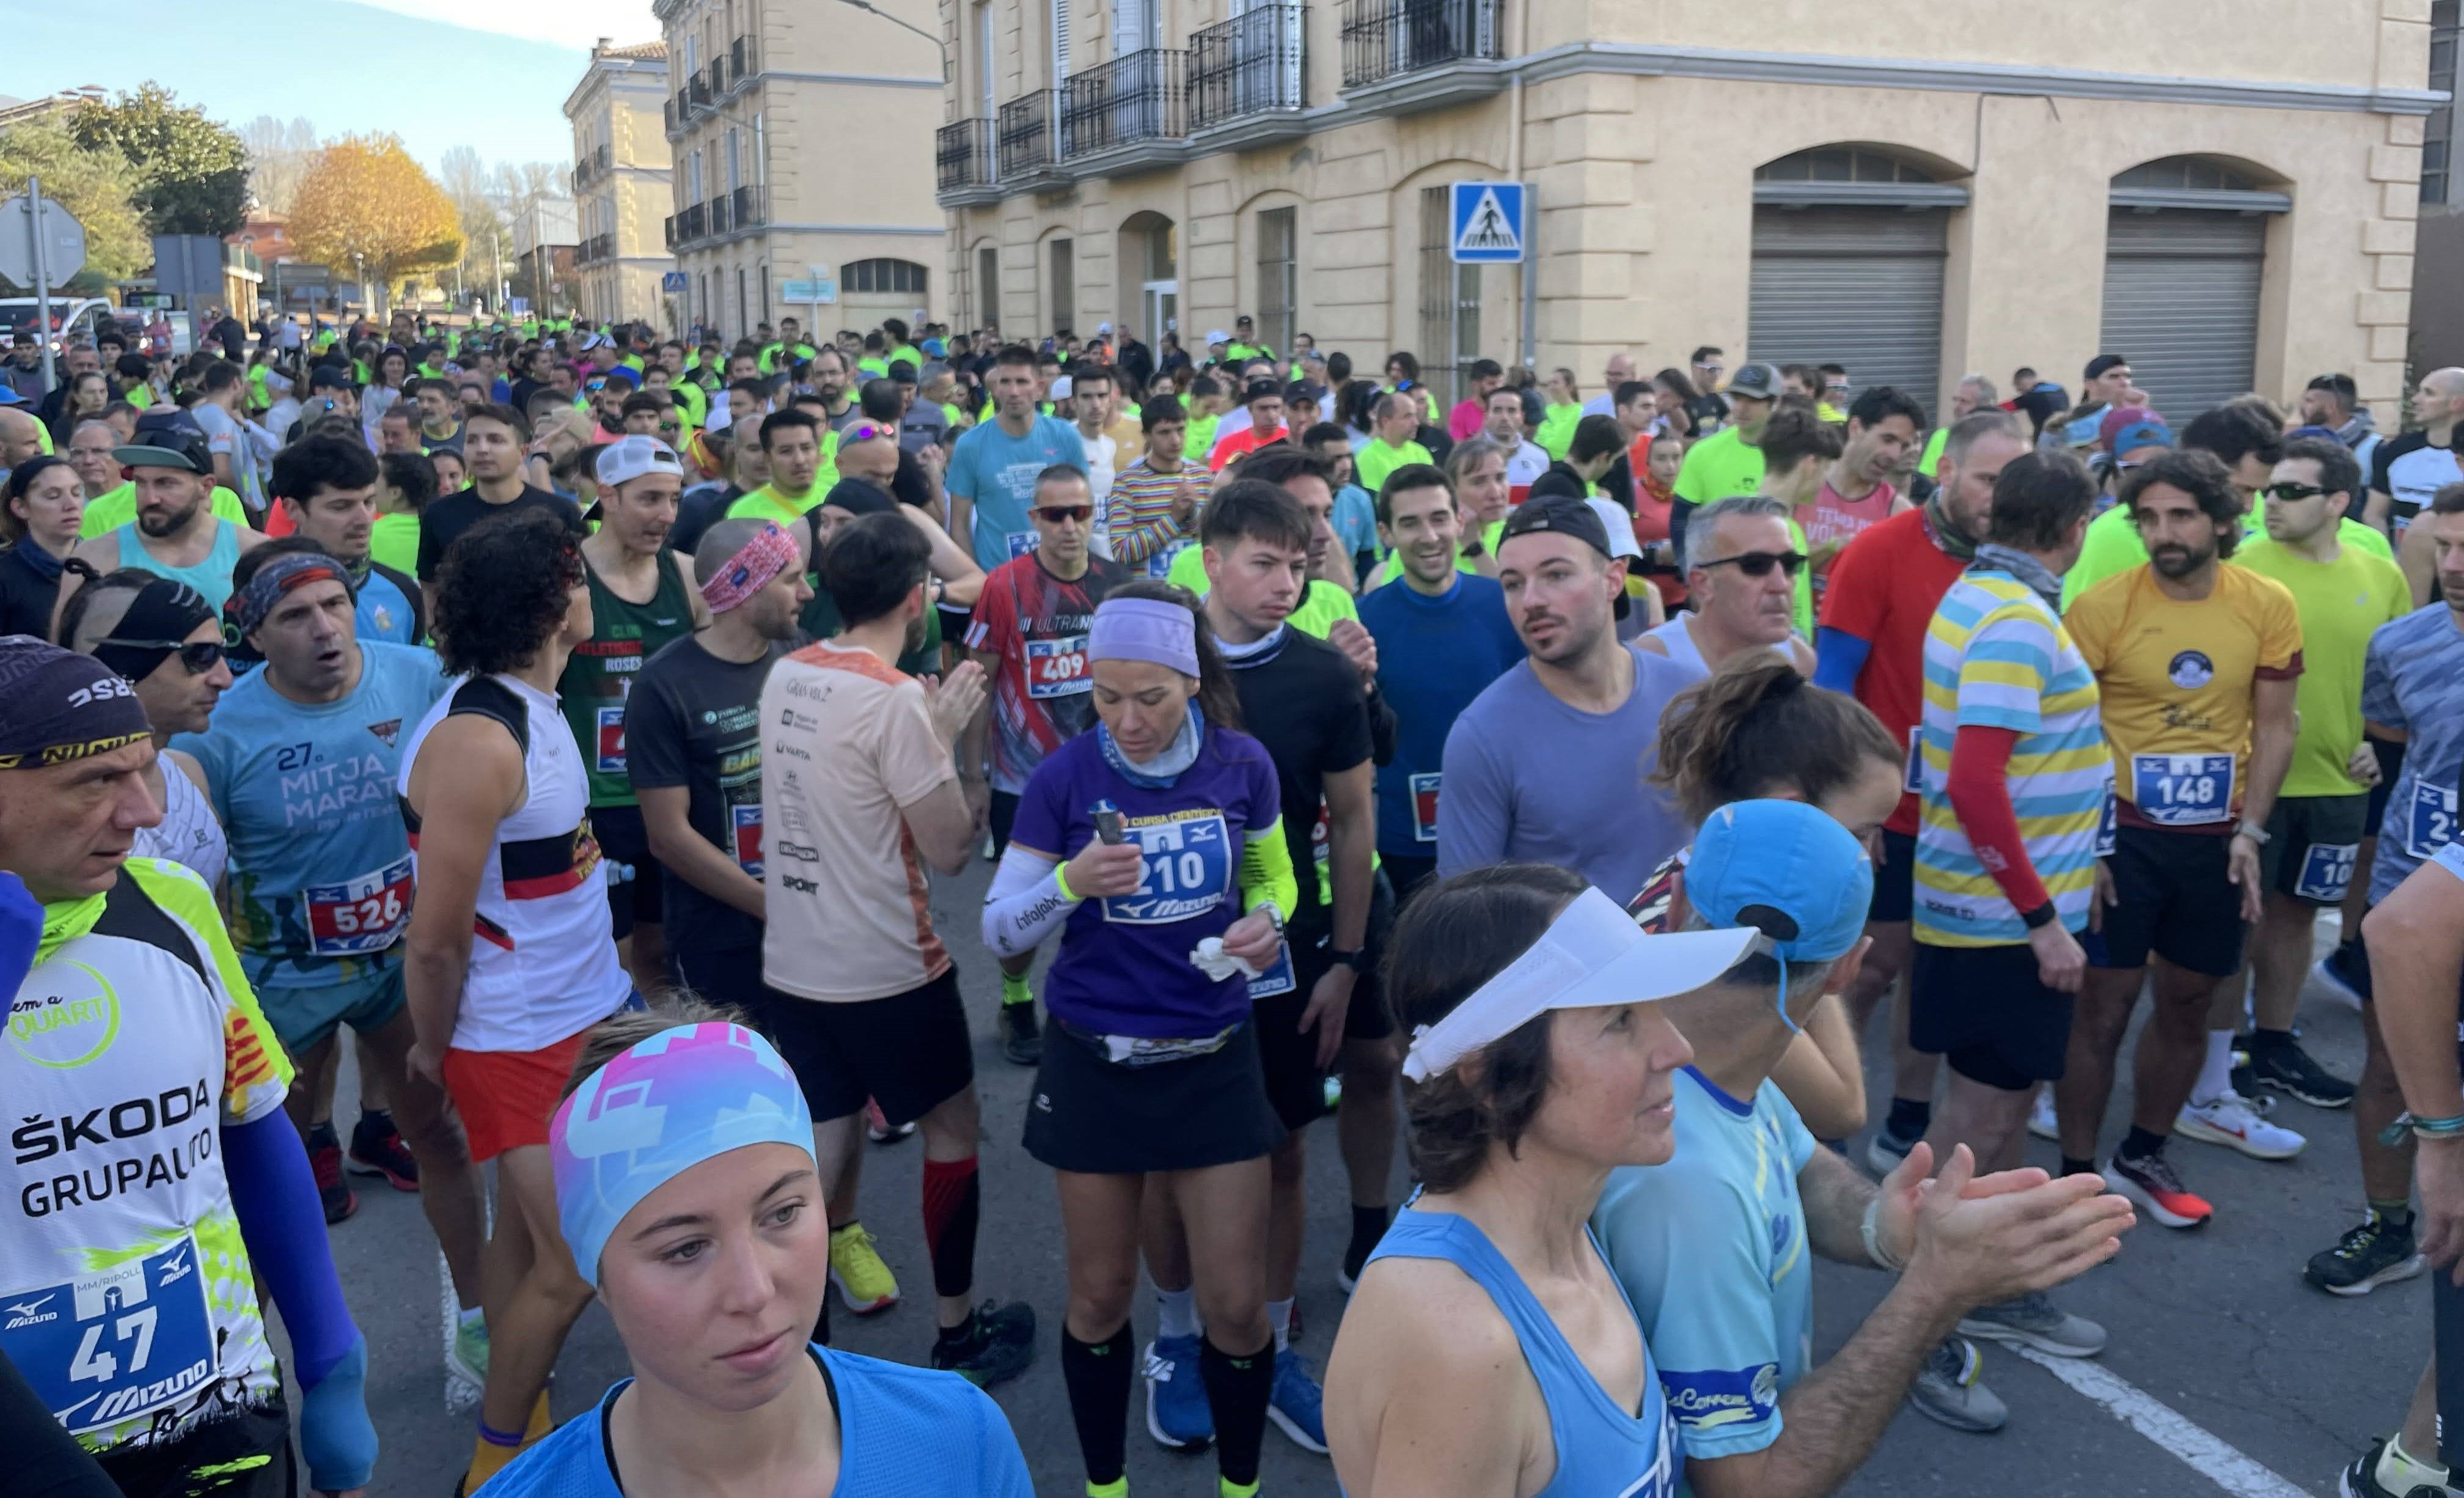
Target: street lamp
x,y
938,45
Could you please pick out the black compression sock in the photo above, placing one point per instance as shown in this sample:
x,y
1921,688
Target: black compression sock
x,y
1910,1117
2071,1167
1368,1226
2263,1040
2141,1145
1238,1388
1098,1376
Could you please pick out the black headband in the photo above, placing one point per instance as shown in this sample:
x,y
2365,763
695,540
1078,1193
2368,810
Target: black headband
x,y
162,610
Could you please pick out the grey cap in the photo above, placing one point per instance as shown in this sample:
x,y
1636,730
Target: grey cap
x,y
1755,382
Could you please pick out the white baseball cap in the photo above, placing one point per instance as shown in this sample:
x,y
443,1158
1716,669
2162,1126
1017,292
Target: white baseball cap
x,y
630,457
1620,526
1218,336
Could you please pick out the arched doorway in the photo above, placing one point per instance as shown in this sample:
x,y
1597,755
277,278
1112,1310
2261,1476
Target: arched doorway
x,y
1149,256
2185,252
1849,243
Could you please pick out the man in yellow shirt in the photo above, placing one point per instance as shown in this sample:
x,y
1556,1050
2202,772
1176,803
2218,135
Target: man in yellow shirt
x,y
1391,445
791,443
2198,665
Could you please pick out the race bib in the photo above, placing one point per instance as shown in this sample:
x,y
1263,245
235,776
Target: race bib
x,y
2107,822
366,914
744,828
1425,806
2183,791
113,1344
1057,667
610,756
2431,824
1914,784
1020,542
1189,866
1276,980
2327,872
1160,566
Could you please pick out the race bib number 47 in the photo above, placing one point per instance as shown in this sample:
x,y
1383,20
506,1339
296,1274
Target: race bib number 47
x,y
113,1344
367,914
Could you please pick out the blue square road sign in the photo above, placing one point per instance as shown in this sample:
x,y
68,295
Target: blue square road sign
x,y
1488,223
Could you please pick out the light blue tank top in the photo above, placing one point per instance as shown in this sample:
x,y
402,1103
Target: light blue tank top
x,y
211,577
1602,1452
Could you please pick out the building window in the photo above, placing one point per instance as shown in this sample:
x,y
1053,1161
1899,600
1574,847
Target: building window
x,y
2439,136
1279,269
693,176
988,285
1839,163
1065,286
882,275
735,160
1449,302
1060,41
743,316
766,291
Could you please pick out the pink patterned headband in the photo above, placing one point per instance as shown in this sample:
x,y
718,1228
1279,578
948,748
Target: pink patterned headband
x,y
754,568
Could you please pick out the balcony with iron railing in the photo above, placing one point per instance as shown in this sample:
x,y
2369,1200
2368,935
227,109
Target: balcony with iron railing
x,y
1248,67
1028,137
595,249
963,162
732,211
1386,41
687,224
743,59
1140,99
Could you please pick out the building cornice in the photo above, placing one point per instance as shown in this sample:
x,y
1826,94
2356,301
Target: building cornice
x,y
843,80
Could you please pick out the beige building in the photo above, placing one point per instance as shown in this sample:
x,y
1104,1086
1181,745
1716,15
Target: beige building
x,y
802,136
1911,189
620,184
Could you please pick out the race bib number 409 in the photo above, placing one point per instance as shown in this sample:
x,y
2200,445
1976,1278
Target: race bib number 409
x,y
1057,667
367,914
2183,791
115,1345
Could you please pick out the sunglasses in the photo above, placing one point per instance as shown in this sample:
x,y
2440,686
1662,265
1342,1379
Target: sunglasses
x,y
199,658
1055,513
2291,493
1758,563
866,431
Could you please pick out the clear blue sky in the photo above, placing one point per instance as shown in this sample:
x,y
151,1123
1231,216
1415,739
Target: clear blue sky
x,y
495,81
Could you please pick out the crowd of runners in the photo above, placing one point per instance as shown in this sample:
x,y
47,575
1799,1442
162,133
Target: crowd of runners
x,y
577,720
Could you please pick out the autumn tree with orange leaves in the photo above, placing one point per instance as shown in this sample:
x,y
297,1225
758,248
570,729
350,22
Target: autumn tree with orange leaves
x,y
366,209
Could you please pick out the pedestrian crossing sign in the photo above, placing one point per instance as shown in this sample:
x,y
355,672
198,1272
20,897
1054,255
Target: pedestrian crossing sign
x,y
1488,223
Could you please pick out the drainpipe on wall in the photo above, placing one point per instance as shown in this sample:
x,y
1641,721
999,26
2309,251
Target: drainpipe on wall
x,y
1529,269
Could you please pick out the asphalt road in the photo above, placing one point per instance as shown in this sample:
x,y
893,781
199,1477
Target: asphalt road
x,y
2215,1338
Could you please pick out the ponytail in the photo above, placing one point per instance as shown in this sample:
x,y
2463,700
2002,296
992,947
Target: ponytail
x,y
1757,727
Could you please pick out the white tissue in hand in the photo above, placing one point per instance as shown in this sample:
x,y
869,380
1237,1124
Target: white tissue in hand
x,y
1216,963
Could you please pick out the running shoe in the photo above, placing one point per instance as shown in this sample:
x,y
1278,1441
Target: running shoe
x,y
1888,1148
466,1356
2034,1320
1947,1389
1177,1414
377,1150
1296,1407
997,1344
878,1128
325,1159
1293,1331
1022,1038
2042,1122
2233,1123
2330,971
2292,1070
2150,1183
2367,1256
865,1283
2360,1480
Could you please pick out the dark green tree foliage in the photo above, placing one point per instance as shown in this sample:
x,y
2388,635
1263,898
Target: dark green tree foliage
x,y
191,171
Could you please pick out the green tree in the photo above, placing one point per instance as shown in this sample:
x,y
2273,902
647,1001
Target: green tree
x,y
92,184
192,172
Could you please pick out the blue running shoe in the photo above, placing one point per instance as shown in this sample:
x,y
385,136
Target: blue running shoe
x,y
1296,1407
1177,1414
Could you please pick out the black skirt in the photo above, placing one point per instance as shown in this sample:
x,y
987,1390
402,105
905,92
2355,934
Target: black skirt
x,y
1090,1116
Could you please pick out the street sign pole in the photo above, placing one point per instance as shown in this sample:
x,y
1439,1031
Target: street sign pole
x,y
42,279
1531,276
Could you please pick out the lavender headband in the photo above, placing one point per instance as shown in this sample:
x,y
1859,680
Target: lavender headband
x,y
1144,630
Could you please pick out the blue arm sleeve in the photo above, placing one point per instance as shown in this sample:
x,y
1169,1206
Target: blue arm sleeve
x,y
21,933
1838,657
274,1195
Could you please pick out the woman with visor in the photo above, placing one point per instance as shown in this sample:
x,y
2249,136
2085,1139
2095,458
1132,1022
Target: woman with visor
x,y
1154,848
686,1187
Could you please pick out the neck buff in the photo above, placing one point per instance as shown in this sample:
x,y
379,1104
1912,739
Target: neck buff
x,y
42,563
163,610
2026,569
755,566
1952,541
273,582
655,1110
56,706
1164,768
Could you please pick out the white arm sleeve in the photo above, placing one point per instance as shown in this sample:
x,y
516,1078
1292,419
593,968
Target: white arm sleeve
x,y
1025,904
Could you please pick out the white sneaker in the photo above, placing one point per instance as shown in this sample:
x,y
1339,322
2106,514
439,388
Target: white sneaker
x,y
2229,1121
2040,1118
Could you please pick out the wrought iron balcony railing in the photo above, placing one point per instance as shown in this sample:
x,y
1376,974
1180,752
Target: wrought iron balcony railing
x,y
1385,40
1248,65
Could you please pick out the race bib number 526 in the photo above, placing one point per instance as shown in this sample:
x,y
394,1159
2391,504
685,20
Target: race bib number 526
x,y
367,914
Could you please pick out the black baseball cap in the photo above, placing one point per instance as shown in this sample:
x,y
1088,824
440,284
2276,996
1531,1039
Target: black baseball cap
x,y
1566,517
168,442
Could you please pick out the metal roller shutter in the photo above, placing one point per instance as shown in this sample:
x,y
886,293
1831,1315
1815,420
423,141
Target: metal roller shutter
x,y
2181,303
1853,286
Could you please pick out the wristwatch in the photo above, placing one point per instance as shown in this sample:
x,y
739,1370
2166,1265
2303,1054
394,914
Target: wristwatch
x,y
1355,959
2253,832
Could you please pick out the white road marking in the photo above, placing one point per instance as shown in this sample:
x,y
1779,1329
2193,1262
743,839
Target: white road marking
x,y
2159,1422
